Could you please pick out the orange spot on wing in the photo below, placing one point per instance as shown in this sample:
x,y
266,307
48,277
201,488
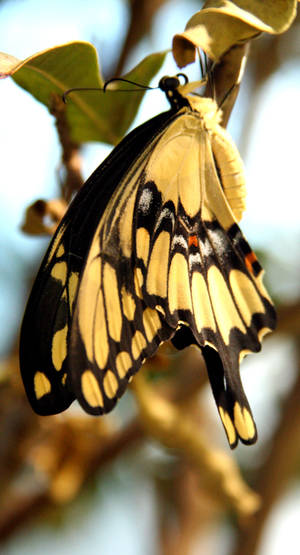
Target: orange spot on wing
x,y
193,240
249,260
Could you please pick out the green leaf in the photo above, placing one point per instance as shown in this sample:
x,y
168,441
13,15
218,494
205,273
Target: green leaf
x,y
91,116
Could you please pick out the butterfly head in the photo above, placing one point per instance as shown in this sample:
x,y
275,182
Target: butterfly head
x,y
170,86
177,92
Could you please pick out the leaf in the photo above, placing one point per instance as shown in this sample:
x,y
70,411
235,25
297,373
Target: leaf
x,y
222,24
91,116
7,64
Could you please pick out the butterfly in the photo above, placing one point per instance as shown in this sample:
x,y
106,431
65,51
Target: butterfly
x,y
150,250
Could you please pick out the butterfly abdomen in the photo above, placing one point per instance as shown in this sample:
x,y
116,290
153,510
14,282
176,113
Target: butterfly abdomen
x,y
228,162
231,169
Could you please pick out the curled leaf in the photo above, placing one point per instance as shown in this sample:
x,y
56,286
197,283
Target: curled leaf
x,y
222,24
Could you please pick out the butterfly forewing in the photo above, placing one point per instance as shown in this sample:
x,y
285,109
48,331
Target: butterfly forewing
x,y
45,332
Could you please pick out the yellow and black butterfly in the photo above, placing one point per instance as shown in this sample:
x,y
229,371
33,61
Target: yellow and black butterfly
x,y
150,250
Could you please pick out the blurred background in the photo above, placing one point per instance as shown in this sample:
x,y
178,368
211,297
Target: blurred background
x,y
73,483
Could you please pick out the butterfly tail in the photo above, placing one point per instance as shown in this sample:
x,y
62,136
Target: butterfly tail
x,y
230,399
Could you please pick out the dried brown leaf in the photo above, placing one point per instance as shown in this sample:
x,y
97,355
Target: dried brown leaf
x,y
42,217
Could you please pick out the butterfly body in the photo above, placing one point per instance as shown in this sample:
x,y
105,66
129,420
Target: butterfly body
x,y
150,250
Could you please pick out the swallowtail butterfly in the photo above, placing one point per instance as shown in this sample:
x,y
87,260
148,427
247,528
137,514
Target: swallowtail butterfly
x,y
150,250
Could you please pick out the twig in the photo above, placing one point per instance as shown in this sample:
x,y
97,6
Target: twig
x,y
185,510
289,319
70,150
142,13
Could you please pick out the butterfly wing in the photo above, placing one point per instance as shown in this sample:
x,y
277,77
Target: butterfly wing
x,y
45,332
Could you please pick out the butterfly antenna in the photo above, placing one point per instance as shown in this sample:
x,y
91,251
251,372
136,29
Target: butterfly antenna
x,y
146,87
186,79
75,89
64,96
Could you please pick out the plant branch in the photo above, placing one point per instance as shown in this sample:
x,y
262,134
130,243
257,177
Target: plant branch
x,y
70,150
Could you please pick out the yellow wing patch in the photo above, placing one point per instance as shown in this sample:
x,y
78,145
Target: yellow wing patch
x,y
72,288
128,304
112,302
228,425
244,423
138,279
100,335
245,295
59,347
90,389
60,251
42,385
151,323
89,290
202,308
179,292
138,343
157,273
221,298
110,384
142,244
59,272
123,363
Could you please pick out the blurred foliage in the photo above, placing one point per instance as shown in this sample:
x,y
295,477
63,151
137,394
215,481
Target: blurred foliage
x,y
46,462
